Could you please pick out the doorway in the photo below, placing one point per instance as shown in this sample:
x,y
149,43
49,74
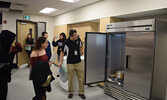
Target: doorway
x,y
22,29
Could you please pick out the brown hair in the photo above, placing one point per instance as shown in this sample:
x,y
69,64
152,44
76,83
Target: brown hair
x,y
39,42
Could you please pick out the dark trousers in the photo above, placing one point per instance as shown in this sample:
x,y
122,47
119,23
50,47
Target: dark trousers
x,y
3,90
29,53
39,91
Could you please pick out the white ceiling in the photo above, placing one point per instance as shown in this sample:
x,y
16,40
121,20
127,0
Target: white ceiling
x,y
34,6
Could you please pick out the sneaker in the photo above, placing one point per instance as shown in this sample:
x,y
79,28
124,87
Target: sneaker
x,y
82,96
70,95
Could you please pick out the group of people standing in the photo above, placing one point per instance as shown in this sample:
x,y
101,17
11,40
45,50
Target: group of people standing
x,y
30,44
40,55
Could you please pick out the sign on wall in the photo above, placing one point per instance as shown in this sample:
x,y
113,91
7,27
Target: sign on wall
x,y
27,17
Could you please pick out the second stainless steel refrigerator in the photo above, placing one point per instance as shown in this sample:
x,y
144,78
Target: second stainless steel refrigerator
x,y
130,58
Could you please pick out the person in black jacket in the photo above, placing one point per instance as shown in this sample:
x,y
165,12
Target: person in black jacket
x,y
59,43
29,43
6,40
42,69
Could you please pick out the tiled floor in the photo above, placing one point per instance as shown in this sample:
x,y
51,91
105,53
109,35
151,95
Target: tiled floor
x,y
21,88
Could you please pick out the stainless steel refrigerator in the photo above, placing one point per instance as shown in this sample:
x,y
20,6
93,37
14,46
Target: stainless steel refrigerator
x,y
130,58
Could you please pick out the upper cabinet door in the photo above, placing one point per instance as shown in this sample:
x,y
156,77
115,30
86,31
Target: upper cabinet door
x,y
95,57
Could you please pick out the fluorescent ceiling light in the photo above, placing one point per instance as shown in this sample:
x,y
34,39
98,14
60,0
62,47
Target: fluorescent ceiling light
x,y
48,10
71,1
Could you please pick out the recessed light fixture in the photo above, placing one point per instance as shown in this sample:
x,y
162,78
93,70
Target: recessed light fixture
x,y
71,1
48,10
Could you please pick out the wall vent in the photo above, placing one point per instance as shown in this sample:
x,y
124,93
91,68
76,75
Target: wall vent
x,y
4,4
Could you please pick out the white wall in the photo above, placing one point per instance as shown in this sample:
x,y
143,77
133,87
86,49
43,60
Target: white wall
x,y
11,22
109,8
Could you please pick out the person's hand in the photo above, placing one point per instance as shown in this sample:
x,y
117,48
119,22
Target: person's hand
x,y
60,64
27,45
50,63
54,38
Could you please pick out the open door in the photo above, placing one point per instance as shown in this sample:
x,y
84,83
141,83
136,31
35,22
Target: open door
x,y
95,57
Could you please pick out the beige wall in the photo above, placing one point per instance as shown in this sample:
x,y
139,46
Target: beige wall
x,y
109,8
103,22
81,29
84,27
107,20
113,20
60,29
94,27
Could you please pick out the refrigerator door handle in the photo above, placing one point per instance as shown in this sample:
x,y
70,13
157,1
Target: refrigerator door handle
x,y
127,60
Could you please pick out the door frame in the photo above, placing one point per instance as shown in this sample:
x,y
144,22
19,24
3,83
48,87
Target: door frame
x,y
37,27
26,21
42,22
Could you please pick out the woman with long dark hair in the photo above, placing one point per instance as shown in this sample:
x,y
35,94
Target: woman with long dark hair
x,y
39,54
59,43
6,40
29,44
